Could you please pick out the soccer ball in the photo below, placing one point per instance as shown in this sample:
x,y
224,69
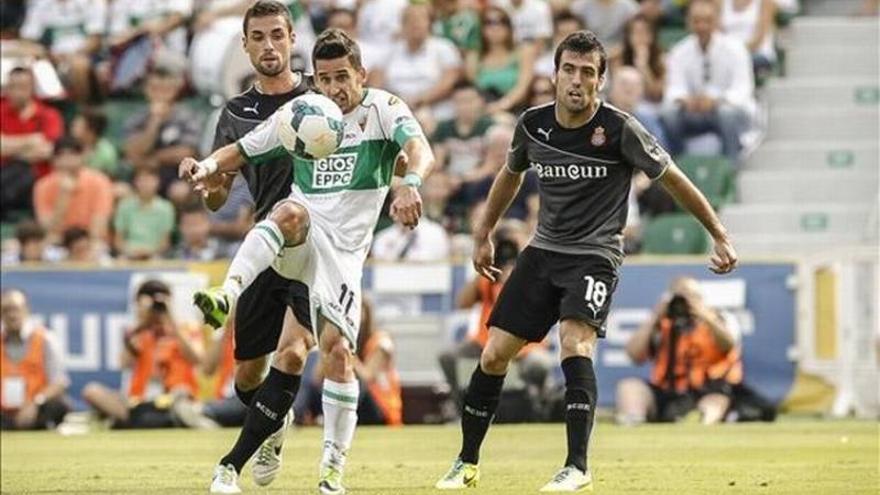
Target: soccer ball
x,y
311,126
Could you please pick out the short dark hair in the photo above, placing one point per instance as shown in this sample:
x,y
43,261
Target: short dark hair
x,y
582,43
72,235
192,207
566,16
267,8
68,143
153,287
29,230
335,43
95,120
21,71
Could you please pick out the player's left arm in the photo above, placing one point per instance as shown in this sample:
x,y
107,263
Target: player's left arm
x,y
643,151
402,126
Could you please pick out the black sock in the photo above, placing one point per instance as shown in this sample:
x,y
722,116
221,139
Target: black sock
x,y
265,415
480,403
246,396
580,408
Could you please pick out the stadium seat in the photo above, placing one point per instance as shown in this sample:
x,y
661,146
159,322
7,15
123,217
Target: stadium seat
x,y
713,175
674,233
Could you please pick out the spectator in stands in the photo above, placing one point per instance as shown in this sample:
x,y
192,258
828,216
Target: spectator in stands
x,y
158,350
525,204
534,362
71,32
142,32
428,241
710,84
32,371
627,93
377,372
144,221
379,21
500,70
695,361
79,246
606,18
458,24
753,23
422,69
564,23
196,243
459,143
30,245
73,195
28,130
165,133
88,127
652,10
373,55
225,409
641,49
541,91
532,22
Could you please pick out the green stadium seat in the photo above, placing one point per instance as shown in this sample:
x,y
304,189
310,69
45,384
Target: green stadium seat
x,y
674,233
713,175
670,35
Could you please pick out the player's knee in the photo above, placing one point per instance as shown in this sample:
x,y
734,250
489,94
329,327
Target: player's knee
x,y
575,345
291,358
91,391
293,221
340,352
493,362
248,377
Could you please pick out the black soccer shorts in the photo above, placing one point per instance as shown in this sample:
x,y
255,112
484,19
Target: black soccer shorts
x,y
259,314
546,287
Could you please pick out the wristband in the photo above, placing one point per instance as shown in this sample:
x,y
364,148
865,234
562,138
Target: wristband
x,y
210,165
412,179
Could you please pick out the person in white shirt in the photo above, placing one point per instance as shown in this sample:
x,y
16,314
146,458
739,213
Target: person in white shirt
x,y
71,31
606,18
532,20
752,22
427,242
710,84
421,68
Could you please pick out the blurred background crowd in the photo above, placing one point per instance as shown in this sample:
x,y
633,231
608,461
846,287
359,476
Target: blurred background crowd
x,y
101,100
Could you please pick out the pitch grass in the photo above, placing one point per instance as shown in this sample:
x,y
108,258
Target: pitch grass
x,y
796,457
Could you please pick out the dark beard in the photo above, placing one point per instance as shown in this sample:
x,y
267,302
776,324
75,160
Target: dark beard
x,y
271,73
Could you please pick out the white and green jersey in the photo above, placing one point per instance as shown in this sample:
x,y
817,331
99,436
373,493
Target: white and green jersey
x,y
345,191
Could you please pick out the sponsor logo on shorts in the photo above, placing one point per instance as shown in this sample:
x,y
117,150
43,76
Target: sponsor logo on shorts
x,y
334,171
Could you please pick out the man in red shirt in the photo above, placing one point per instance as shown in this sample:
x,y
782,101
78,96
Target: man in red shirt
x,y
28,130
28,127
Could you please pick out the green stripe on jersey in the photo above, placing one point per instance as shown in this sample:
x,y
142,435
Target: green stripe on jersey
x,y
276,152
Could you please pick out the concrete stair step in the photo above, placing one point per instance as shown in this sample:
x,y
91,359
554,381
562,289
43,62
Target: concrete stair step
x,y
823,92
811,221
832,60
797,155
828,123
787,187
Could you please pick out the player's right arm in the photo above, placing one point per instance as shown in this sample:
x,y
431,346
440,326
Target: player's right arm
x,y
262,143
219,186
504,189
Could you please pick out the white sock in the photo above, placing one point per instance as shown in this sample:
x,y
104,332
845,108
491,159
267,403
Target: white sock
x,y
340,401
260,247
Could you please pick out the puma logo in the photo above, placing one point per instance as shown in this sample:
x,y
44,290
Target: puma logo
x,y
594,309
545,133
252,109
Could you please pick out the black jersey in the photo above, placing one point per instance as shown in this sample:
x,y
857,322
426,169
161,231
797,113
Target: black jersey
x,y
585,176
271,182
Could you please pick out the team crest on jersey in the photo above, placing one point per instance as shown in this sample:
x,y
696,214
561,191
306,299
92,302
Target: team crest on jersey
x,y
598,138
333,171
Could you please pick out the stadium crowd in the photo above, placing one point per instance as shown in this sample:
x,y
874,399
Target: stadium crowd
x,y
102,99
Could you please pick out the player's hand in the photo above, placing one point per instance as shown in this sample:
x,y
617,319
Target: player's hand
x,y
484,259
187,168
407,206
723,257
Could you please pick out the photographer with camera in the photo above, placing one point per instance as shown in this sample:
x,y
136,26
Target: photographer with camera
x,y
695,362
534,361
162,355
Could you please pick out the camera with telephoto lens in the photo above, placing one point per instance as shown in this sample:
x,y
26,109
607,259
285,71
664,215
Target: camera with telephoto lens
x,y
679,311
